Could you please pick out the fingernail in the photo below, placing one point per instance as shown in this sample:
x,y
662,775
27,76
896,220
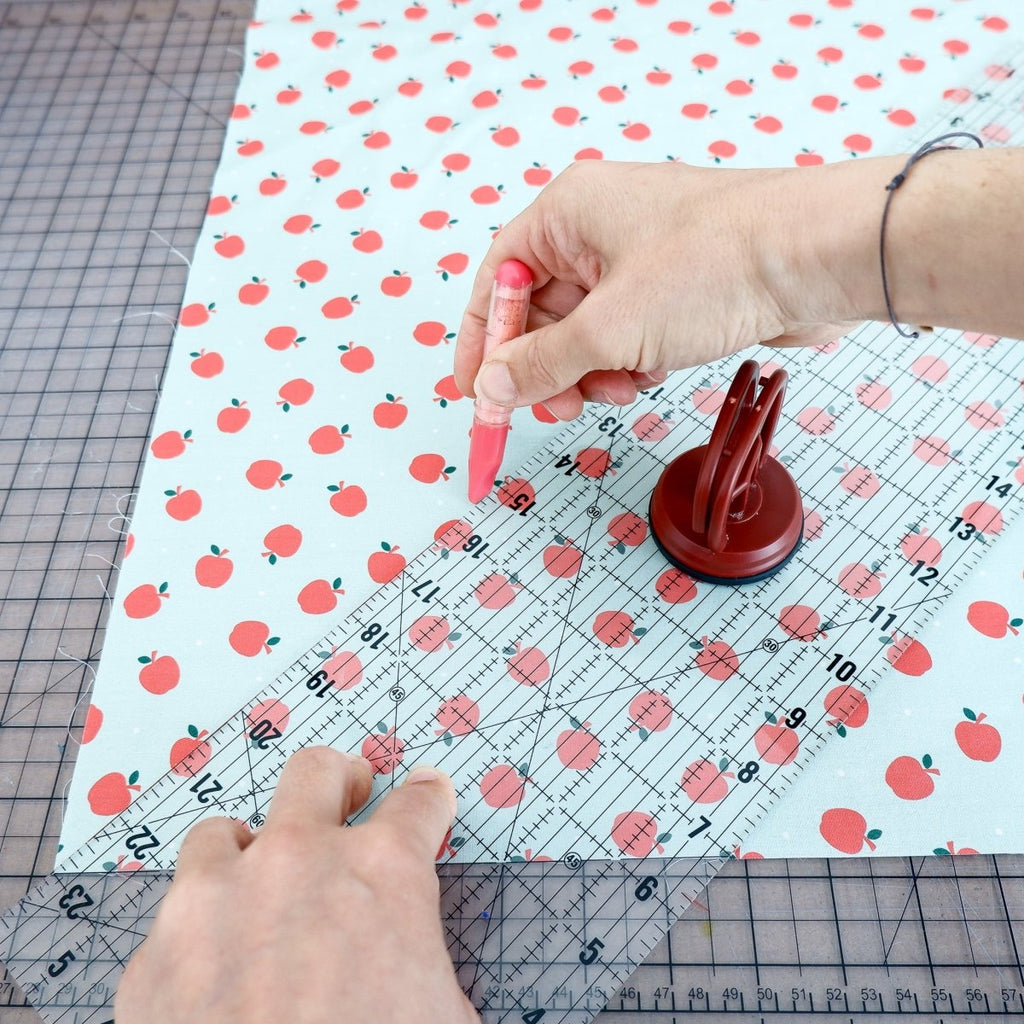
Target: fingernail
x,y
658,376
428,773
602,397
361,761
494,383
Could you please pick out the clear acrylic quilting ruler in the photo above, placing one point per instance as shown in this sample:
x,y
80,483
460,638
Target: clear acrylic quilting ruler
x,y
888,446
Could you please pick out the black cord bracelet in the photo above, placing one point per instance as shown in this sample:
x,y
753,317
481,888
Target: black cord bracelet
x,y
932,146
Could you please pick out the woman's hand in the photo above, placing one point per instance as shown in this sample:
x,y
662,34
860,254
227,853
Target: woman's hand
x,y
308,921
644,268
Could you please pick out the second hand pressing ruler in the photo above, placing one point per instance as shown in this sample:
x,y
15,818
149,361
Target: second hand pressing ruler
x,y
890,442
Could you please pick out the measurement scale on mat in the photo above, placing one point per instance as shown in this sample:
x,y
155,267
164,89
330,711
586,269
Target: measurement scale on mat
x,y
552,941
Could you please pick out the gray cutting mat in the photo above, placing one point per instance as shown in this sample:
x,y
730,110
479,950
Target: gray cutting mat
x,y
112,116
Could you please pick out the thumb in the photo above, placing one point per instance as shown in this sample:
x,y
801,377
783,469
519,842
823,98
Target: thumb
x,y
536,366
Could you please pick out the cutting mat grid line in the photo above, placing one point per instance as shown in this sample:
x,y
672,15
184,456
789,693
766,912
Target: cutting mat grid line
x,y
115,136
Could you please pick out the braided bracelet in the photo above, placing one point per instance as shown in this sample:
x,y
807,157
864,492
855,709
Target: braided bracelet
x,y
932,146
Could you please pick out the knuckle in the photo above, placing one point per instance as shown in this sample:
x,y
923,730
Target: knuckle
x,y
317,759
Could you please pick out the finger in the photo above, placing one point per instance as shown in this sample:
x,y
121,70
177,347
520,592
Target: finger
x,y
420,810
319,785
544,362
609,387
210,844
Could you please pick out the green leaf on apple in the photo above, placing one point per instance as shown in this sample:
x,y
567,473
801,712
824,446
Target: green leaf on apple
x,y
133,778
969,714
875,833
941,851
927,760
193,732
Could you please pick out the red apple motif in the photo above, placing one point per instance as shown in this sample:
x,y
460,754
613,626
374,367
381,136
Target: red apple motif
x,y
847,707
280,339
873,394
339,307
802,622
272,711
562,559
310,272
776,743
536,174
318,597
355,358
815,421
391,413
384,565
991,619
396,284
528,666
814,525
220,204
911,779
431,332
979,740
159,673
112,793
446,390
144,600
985,518
577,747
907,655
430,633
232,418
457,716
715,658
273,185
515,492
650,427
196,314
328,439
933,451
254,292
860,581
984,415
650,712
430,467
343,668
214,570
846,830
251,637
348,500
616,629
675,587
858,481
626,529
189,755
351,198
325,168
917,546
704,782
93,721
496,591
206,364
451,535
281,542
264,474
708,400
170,444
505,785
183,505
636,834
950,850
383,749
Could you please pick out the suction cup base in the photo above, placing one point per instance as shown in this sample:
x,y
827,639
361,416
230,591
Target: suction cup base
x,y
757,546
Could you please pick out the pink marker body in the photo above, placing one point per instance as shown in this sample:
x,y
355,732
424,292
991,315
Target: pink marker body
x,y
506,319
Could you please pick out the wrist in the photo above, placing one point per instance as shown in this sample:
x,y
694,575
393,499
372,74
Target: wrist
x,y
824,267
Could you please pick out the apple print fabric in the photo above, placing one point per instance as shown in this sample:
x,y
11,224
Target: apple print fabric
x,y
310,437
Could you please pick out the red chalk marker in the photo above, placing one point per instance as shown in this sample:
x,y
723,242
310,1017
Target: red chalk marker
x,y
506,319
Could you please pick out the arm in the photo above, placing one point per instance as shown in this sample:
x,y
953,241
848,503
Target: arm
x,y
646,268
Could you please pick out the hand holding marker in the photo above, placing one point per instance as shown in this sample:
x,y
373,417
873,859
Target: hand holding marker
x,y
506,319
